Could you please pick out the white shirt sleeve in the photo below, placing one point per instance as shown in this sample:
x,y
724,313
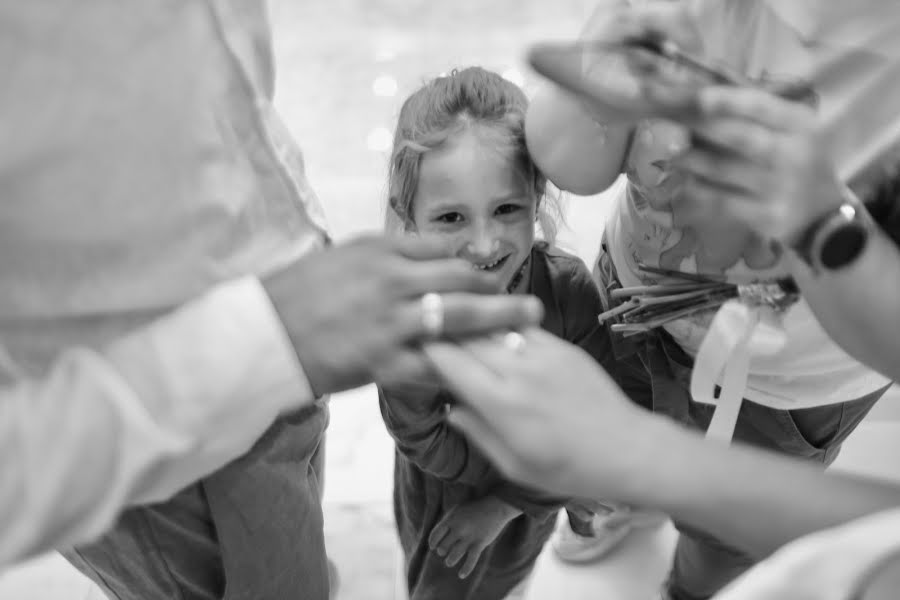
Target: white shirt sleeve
x,y
833,563
141,419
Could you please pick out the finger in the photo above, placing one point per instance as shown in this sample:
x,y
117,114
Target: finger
x,y
418,247
443,276
446,544
472,557
498,355
709,194
756,105
663,20
471,314
726,171
438,533
508,359
740,138
456,553
677,100
463,374
711,202
699,202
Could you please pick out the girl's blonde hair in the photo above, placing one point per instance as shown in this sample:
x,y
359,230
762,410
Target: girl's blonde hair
x,y
475,99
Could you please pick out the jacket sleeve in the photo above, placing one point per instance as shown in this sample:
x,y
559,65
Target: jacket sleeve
x,y
414,416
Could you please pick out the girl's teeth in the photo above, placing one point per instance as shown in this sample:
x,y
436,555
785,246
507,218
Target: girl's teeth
x,y
488,266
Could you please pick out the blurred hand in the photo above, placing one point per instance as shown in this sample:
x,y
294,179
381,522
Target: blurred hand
x,y
761,160
353,312
636,85
546,414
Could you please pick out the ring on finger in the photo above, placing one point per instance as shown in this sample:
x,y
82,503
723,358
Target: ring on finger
x,y
432,306
515,341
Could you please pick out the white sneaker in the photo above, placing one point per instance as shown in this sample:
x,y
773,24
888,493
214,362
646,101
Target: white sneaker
x,y
573,548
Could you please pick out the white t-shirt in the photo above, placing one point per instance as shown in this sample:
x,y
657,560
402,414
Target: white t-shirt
x,y
850,54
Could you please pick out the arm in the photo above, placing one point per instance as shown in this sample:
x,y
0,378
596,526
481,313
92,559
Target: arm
x,y
778,499
414,416
141,419
615,450
858,306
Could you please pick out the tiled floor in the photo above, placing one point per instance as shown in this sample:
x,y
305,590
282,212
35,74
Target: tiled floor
x,y
330,52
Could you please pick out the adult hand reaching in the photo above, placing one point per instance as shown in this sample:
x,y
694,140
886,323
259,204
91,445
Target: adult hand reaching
x,y
543,411
761,160
616,81
355,313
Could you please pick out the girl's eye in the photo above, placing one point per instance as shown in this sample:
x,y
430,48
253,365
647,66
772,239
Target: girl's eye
x,y
449,218
508,209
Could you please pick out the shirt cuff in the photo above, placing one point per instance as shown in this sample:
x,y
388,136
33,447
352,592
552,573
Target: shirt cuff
x,y
216,372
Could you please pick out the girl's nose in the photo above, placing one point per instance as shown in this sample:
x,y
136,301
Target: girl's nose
x,y
481,246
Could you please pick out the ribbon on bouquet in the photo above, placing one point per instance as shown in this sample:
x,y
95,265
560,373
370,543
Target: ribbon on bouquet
x,y
745,323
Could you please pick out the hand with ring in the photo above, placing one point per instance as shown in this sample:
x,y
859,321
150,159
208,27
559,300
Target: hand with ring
x,y
358,312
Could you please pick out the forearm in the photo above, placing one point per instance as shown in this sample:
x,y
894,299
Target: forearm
x,y
135,423
753,499
858,305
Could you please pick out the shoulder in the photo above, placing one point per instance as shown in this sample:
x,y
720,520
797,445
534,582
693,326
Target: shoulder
x,y
571,288
562,267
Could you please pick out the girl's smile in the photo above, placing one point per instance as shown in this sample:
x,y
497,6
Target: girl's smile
x,y
472,195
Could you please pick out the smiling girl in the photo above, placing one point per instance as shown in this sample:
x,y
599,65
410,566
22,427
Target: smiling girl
x,y
460,171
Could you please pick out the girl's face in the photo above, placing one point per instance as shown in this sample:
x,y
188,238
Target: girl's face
x,y
473,198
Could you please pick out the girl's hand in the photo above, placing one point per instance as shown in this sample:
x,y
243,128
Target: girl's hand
x,y
467,529
761,160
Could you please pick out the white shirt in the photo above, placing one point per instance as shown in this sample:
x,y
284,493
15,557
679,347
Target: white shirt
x,y
838,563
141,418
143,166
850,53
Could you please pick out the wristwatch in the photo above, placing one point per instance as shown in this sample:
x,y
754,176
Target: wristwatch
x,y
834,240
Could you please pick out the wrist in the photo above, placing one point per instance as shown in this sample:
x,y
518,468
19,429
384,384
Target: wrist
x,y
835,238
280,287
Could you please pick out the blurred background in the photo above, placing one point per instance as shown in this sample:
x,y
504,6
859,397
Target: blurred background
x,y
345,66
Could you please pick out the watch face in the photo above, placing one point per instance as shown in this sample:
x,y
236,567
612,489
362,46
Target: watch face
x,y
843,246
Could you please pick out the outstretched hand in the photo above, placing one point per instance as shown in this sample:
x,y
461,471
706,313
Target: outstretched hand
x,y
759,159
544,412
618,82
354,312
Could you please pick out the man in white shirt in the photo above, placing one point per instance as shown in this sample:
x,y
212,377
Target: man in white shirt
x,y
165,299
